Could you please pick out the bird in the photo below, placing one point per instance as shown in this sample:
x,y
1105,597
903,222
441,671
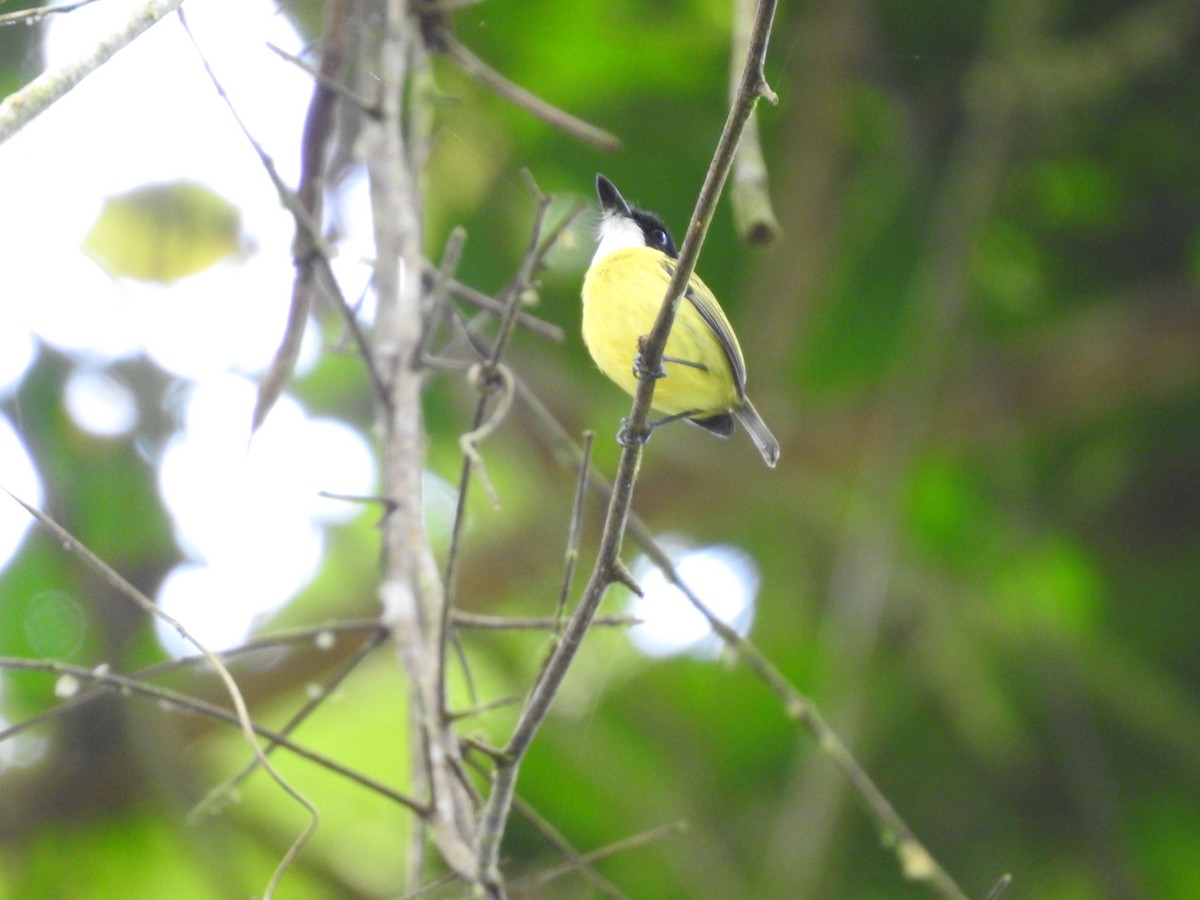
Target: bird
x,y
703,374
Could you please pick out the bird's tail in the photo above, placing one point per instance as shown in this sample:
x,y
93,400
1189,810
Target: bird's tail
x,y
759,432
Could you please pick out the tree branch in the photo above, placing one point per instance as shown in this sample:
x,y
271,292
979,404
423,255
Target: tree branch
x,y
411,590
541,697
753,216
104,679
21,107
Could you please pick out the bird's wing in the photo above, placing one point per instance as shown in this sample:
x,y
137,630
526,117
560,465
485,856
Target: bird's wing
x,y
705,303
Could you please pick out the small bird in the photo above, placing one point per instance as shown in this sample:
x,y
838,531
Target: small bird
x,y
703,378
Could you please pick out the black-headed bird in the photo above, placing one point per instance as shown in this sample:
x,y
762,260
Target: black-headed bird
x,y
703,376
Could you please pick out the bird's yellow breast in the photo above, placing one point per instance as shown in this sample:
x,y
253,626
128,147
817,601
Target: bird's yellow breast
x,y
622,293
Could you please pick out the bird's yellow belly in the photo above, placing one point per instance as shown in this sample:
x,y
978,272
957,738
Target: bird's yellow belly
x,y
615,317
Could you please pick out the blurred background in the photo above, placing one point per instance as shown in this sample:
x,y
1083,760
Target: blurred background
x,y
977,338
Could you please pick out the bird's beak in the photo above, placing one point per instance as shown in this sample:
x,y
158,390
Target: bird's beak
x,y
611,201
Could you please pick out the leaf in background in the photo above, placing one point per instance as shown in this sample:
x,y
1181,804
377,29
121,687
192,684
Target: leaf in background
x,y
164,232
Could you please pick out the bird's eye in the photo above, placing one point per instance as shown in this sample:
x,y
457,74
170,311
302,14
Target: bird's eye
x,y
660,237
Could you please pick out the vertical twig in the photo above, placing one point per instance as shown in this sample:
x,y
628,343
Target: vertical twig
x,y
585,466
411,589
310,195
753,216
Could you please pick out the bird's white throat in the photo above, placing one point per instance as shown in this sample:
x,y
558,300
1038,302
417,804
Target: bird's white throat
x,y
617,232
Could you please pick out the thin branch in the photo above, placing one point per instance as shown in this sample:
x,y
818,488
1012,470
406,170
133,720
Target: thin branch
x,y
496,383
310,706
318,132
325,80
412,593
490,304
287,638
797,706
573,533
753,216
499,703
542,695
437,291
37,13
999,887
575,860
486,378
444,40
917,863
586,859
523,280
491,377
311,253
506,623
21,107
126,684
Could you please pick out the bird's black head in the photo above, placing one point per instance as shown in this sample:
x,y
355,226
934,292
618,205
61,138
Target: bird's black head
x,y
654,230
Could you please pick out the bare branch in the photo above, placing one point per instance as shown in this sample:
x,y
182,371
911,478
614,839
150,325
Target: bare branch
x,y
496,383
438,300
797,705
585,465
412,593
542,695
37,13
311,254
21,107
310,705
445,41
752,213
137,687
586,859
318,75
489,377
490,304
508,623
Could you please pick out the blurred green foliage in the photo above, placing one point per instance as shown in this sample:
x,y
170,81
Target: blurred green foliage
x,y
977,341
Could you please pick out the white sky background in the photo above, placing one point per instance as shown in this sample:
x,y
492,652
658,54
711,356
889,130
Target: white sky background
x,y
249,521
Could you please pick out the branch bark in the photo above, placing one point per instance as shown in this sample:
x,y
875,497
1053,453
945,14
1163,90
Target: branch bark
x,y
411,589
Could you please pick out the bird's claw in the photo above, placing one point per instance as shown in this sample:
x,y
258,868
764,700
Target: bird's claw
x,y
640,371
629,437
